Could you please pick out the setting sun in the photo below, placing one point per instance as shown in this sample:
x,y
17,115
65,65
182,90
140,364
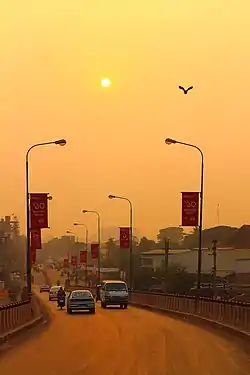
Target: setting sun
x,y
105,82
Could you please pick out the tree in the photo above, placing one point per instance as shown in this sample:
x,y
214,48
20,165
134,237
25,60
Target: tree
x,y
223,234
191,240
111,259
145,245
58,248
15,226
116,257
240,238
12,259
175,235
178,280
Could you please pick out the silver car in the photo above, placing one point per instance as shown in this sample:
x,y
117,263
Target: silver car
x,y
81,300
53,293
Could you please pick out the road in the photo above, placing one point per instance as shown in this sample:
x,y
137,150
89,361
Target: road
x,y
122,342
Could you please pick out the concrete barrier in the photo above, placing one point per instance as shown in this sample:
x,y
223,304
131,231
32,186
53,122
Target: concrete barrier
x,y
234,315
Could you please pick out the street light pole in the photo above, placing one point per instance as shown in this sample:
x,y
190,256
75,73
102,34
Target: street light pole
x,y
170,141
86,248
214,253
99,241
166,248
76,236
61,142
131,237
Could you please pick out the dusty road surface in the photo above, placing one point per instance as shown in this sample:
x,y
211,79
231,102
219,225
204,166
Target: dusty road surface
x,y
122,342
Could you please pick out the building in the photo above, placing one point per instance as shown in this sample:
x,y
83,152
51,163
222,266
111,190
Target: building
x,y
5,227
229,260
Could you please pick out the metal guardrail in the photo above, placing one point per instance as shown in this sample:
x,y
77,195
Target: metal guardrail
x,y
232,314
12,305
229,313
16,315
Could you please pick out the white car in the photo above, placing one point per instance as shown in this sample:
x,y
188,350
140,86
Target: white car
x,y
114,292
53,293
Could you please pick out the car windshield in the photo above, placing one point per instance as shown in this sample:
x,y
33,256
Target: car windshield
x,y
55,288
81,295
116,286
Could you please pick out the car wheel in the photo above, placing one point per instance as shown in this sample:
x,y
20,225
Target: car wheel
x,y
121,306
69,311
125,305
92,311
49,299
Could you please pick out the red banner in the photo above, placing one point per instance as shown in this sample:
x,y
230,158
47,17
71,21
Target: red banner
x,y
190,209
94,250
125,237
32,256
74,260
38,210
35,238
65,263
83,257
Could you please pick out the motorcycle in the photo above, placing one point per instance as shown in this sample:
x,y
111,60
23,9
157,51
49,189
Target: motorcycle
x,y
61,302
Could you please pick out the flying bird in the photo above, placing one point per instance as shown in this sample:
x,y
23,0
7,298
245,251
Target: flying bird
x,y
185,90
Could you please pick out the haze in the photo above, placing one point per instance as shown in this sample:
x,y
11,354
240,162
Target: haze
x,y
53,57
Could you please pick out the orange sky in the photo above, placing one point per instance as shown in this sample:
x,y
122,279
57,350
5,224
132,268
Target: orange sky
x,y
53,55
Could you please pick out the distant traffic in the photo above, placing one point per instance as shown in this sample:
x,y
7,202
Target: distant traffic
x,y
109,293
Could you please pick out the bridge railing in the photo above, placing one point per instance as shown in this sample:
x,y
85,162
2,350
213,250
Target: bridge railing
x,y
16,315
233,314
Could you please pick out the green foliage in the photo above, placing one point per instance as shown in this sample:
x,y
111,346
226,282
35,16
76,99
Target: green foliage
x,y
174,234
177,279
12,259
116,257
223,234
145,245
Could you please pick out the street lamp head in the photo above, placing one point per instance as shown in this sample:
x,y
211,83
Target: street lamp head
x,y
84,211
111,196
61,142
68,232
75,224
170,141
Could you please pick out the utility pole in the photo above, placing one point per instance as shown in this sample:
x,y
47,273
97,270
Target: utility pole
x,y
214,253
166,247
218,214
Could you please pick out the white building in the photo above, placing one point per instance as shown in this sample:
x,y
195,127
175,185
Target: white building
x,y
229,260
